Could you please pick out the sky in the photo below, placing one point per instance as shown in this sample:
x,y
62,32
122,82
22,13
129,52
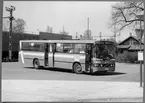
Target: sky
x,y
70,14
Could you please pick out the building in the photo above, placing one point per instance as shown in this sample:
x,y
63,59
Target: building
x,y
53,36
130,44
16,37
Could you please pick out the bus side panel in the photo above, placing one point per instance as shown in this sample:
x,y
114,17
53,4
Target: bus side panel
x,y
50,59
20,58
83,66
63,60
30,55
81,59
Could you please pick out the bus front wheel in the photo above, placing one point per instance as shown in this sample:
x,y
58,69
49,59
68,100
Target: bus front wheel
x,y
36,64
77,68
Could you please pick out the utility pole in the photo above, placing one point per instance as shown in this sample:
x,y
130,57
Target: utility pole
x,y
140,33
11,18
88,24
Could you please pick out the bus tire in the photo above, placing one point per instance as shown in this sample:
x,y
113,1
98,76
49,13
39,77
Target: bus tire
x,y
77,68
36,63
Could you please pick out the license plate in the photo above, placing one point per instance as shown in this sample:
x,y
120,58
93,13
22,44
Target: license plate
x,y
106,68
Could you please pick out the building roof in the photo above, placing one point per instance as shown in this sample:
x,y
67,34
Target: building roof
x,y
128,39
134,47
123,46
53,36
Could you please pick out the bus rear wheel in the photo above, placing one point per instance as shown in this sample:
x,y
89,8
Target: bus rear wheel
x,y
77,68
36,64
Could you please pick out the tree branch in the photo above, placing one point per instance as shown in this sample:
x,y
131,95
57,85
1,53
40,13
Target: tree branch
x,y
125,25
137,6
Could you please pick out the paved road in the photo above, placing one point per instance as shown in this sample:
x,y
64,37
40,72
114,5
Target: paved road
x,y
16,79
124,72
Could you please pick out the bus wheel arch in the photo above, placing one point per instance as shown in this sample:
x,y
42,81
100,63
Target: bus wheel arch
x,y
77,68
36,63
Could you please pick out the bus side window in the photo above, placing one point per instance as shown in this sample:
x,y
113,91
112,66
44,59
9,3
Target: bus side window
x,y
54,47
42,49
46,47
79,48
59,47
68,48
50,49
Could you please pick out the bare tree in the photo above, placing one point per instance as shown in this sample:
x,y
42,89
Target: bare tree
x,y
87,35
124,14
18,25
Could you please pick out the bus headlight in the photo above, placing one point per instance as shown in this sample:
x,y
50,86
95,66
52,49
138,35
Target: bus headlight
x,y
112,65
96,65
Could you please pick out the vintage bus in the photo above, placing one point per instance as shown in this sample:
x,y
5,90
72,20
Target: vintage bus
x,y
78,55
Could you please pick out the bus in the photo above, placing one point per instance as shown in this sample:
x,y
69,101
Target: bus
x,y
78,55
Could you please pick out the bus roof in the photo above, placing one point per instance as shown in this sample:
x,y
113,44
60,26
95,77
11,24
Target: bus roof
x,y
60,41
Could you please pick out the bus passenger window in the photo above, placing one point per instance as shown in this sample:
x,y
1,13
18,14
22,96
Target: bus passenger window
x,y
50,50
67,48
82,51
79,48
53,47
59,47
71,51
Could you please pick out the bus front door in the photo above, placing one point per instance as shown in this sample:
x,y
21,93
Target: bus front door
x,y
51,55
88,57
46,54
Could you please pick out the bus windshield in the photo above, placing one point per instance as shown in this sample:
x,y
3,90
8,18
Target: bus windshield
x,y
104,51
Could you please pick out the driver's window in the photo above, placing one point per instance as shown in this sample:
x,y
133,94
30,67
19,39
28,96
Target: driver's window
x,y
88,48
95,51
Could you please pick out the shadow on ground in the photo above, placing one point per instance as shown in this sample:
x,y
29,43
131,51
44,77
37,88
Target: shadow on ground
x,y
106,73
70,71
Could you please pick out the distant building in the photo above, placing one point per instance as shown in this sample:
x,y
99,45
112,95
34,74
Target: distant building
x,y
16,37
130,44
53,36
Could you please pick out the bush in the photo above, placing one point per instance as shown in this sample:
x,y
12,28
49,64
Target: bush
x,y
127,57
132,57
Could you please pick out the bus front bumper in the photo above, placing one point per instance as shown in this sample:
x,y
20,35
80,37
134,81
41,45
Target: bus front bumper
x,y
95,69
